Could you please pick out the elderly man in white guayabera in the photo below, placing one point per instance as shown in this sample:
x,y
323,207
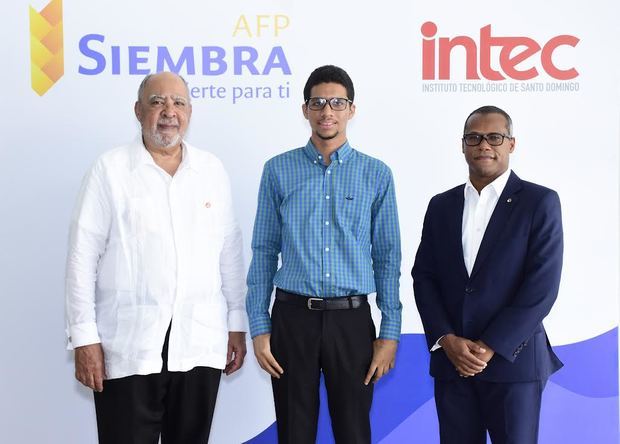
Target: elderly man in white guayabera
x,y
155,292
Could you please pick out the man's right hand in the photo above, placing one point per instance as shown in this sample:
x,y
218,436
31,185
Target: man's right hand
x,y
460,352
262,351
89,366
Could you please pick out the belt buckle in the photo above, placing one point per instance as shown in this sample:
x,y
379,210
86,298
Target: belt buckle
x,y
310,303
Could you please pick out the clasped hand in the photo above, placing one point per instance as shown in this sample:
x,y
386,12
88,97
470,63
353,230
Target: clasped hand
x,y
468,357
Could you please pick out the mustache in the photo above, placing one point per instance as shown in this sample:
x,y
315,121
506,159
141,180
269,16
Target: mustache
x,y
168,122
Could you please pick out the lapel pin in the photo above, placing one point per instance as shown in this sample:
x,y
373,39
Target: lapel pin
x,y
509,200
208,205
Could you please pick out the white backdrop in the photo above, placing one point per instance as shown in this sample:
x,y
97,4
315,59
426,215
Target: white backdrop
x,y
567,140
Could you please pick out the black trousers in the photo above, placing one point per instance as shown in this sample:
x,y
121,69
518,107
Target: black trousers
x,y
340,344
179,405
468,407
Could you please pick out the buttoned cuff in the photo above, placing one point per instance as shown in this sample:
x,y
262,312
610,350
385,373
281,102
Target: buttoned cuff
x,y
237,320
390,325
260,325
82,334
389,331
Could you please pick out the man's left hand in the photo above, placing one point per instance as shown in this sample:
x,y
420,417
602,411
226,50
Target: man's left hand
x,y
487,355
236,352
383,357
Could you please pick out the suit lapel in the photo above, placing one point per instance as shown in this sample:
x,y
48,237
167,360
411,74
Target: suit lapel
x,y
455,226
498,221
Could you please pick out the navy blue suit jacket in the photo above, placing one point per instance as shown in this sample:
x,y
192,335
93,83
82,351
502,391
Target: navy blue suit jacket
x,y
512,287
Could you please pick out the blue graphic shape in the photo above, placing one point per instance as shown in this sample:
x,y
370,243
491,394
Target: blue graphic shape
x,y
396,396
580,403
569,418
421,426
591,366
565,417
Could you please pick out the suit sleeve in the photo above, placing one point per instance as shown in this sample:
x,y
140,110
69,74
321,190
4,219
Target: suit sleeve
x,y
516,323
425,284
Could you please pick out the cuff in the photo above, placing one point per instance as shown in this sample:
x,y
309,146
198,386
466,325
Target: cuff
x,y
390,326
437,345
237,320
82,334
260,325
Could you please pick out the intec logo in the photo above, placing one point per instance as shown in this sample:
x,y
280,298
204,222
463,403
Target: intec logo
x,y
481,52
46,46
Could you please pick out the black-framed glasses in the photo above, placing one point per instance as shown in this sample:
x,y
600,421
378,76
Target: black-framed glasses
x,y
493,139
335,103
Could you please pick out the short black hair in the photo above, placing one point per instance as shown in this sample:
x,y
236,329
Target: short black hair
x,y
329,74
490,109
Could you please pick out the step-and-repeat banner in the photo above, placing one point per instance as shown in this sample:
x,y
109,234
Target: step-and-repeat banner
x,y
70,74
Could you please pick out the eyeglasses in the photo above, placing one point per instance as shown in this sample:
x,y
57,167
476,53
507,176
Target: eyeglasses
x,y
493,139
335,103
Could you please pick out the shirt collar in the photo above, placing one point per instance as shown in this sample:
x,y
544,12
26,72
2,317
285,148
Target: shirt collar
x,y
497,185
141,156
340,155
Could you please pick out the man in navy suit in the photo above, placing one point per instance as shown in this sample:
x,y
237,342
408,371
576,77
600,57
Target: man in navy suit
x,y
486,274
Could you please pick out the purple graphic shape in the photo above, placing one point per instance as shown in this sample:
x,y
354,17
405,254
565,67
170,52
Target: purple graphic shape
x,y
590,366
580,403
396,396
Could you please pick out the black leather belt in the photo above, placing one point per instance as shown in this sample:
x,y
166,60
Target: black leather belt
x,y
312,303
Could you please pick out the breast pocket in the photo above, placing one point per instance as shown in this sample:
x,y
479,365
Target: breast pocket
x,y
143,214
208,226
353,212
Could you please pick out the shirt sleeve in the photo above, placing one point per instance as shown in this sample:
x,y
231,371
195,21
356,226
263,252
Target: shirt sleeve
x,y
88,235
266,246
386,257
232,270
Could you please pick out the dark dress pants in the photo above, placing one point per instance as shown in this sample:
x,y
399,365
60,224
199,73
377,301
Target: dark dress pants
x,y
340,344
179,405
468,407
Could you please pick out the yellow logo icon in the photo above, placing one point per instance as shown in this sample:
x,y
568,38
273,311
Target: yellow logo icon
x,y
46,46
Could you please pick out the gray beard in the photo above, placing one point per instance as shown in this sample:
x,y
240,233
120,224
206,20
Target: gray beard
x,y
165,141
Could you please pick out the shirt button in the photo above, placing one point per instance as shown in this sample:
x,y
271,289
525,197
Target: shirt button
x,y
326,222
329,172
327,197
339,161
326,248
326,275
315,161
320,157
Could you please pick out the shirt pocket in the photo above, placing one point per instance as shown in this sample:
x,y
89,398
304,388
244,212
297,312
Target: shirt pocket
x,y
137,332
208,224
143,215
353,212
208,329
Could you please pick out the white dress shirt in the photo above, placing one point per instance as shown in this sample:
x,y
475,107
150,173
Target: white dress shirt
x,y
146,248
477,212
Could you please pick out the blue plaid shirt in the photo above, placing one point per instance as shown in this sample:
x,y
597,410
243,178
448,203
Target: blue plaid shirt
x,y
336,227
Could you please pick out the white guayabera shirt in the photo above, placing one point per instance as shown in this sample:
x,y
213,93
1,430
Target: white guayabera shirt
x,y
146,249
